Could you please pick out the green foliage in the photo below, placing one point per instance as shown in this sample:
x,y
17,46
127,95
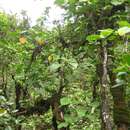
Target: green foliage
x,y
66,58
124,30
105,33
123,23
65,101
63,124
117,2
92,38
59,2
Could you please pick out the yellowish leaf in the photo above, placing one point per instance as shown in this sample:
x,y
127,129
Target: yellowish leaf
x,y
50,58
2,111
40,42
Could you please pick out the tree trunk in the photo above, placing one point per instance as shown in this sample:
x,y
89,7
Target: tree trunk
x,y
58,112
105,110
121,111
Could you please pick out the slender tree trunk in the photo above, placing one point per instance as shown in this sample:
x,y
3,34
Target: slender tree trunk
x,y
105,110
17,99
121,112
58,112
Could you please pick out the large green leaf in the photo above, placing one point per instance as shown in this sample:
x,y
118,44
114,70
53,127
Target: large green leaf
x,y
121,74
92,38
106,32
54,67
123,23
123,30
69,119
126,59
81,111
117,2
119,83
65,101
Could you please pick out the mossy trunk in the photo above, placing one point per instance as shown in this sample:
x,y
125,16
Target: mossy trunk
x,y
121,111
104,90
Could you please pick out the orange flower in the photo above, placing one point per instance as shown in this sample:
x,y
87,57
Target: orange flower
x,y
22,40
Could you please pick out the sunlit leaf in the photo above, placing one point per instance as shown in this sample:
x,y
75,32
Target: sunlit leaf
x,y
117,2
50,58
124,30
119,83
106,32
2,111
92,38
123,23
121,73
